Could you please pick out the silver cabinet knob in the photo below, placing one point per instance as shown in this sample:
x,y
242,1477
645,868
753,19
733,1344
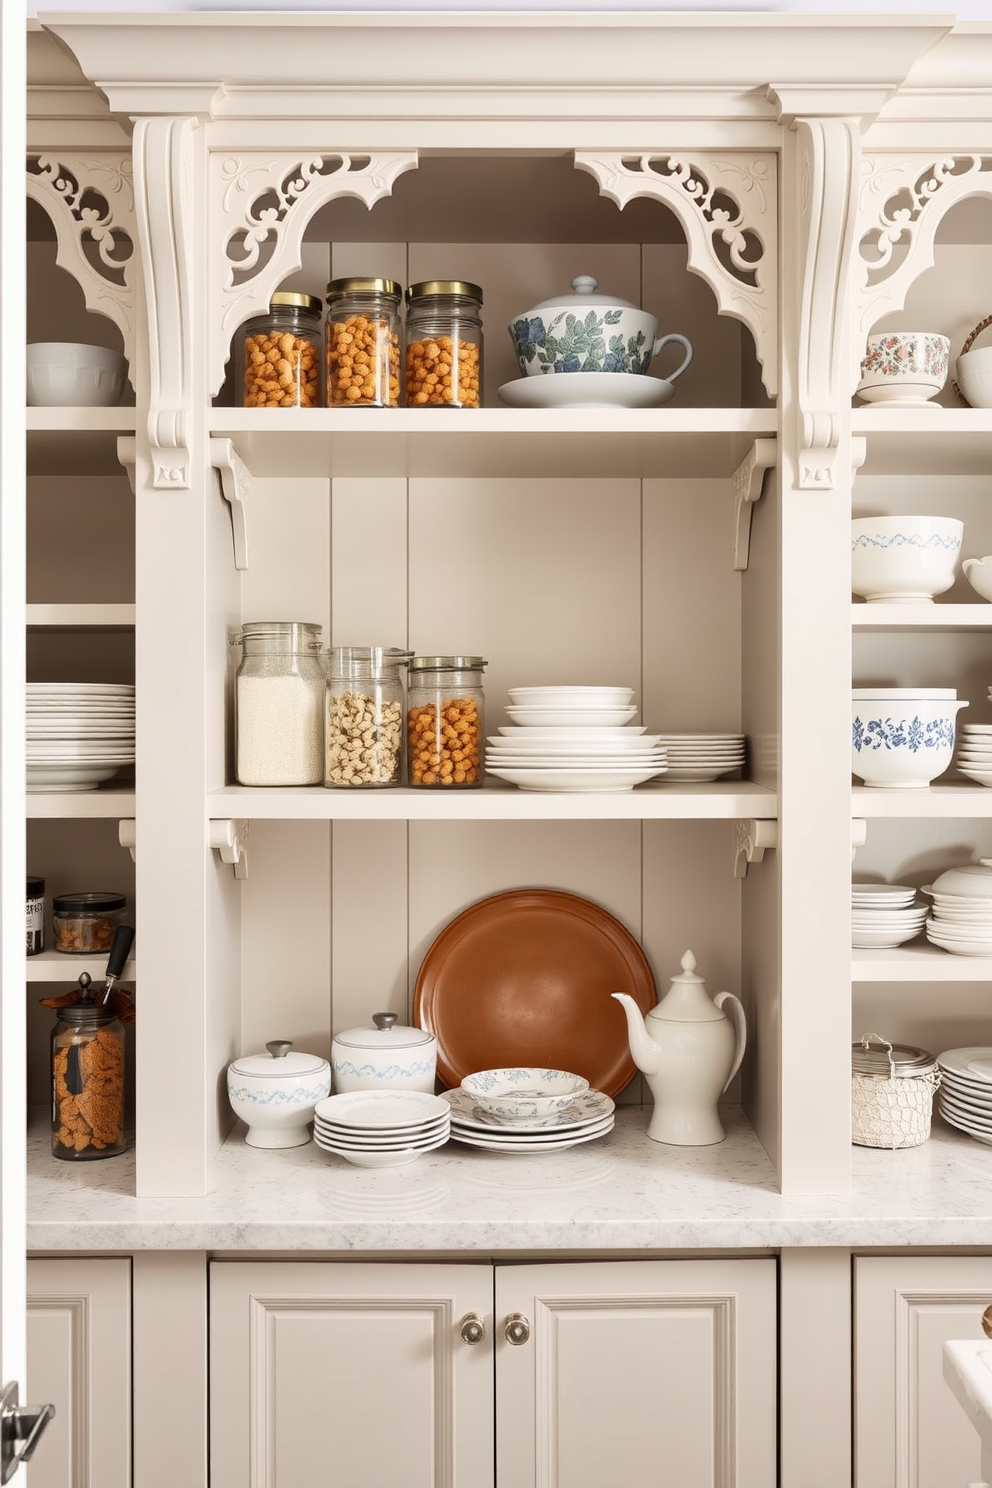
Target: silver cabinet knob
x,y
516,1329
473,1329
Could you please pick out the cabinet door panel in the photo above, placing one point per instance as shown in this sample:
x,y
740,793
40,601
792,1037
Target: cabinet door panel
x,y
910,1432
353,1371
79,1358
638,1372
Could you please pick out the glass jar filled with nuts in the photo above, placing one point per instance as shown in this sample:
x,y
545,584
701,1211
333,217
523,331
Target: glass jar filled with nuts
x,y
444,344
362,343
445,721
87,1082
282,354
363,726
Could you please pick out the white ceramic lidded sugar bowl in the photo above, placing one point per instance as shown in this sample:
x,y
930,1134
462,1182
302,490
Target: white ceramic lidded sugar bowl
x,y
388,1056
275,1093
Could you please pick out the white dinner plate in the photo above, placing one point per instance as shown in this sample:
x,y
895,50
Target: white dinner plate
x,y
591,734
377,1110
575,780
418,1139
973,1062
955,1120
600,741
507,1137
587,1109
969,1110
66,778
533,1146
698,773
571,762
587,390
387,1158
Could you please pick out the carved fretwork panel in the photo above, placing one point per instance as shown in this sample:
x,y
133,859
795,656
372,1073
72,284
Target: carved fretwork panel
x,y
901,202
727,204
261,204
90,200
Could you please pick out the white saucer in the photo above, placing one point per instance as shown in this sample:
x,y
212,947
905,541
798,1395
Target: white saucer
x,y
587,390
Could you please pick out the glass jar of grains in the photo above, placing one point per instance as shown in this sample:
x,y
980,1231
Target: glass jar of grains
x,y
84,924
445,721
362,343
444,344
279,704
282,354
87,1082
363,727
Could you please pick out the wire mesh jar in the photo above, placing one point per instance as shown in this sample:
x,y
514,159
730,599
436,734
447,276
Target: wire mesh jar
x,y
281,353
892,1090
279,704
444,344
362,343
364,718
445,721
87,1083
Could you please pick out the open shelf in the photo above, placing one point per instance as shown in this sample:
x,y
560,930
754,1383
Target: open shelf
x,y
919,962
79,805
965,800
57,966
81,616
925,441
917,618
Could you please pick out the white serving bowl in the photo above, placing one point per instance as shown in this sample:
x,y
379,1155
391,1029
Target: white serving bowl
x,y
570,697
275,1093
967,881
902,738
586,716
974,377
68,374
384,1057
524,1094
904,367
978,572
904,560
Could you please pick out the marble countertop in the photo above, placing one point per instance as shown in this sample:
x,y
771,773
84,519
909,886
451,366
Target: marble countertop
x,y
621,1193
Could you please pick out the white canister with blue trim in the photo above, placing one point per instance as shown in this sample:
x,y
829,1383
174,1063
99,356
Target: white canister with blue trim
x,y
387,1056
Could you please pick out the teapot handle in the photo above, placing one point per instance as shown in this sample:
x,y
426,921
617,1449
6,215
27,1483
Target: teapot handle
x,y
736,1010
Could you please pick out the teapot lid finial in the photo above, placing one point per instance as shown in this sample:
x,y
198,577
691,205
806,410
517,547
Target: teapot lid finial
x,y
688,963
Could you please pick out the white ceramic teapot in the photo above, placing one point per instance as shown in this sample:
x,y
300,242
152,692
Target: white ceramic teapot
x,y
689,1050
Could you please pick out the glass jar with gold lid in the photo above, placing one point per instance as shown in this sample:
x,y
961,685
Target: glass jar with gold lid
x,y
362,343
281,353
444,344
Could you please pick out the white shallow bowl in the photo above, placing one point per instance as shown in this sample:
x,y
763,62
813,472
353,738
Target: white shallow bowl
x,y
523,1093
974,376
570,697
581,716
904,560
966,880
66,374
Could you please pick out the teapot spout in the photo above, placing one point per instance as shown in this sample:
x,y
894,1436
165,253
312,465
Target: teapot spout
x,y
644,1051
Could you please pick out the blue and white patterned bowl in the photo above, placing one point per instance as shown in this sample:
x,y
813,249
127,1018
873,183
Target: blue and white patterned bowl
x,y
904,560
902,738
525,1093
275,1093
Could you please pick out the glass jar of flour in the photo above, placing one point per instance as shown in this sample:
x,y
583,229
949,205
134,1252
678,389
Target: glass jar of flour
x,y
279,704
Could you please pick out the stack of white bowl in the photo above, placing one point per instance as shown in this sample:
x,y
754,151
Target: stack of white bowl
x,y
974,756
884,915
701,757
574,739
961,918
381,1128
526,1109
78,733
965,1095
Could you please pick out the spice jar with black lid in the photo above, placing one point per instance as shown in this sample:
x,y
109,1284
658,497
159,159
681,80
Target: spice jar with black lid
x,y
84,924
444,344
87,1082
362,343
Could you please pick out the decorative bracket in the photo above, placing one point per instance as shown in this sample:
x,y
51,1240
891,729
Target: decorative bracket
x,y
126,836
261,205
235,484
90,200
748,480
752,839
229,838
728,206
127,454
859,834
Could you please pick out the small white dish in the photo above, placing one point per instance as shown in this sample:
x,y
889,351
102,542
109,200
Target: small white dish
x,y
900,394
532,1146
592,734
580,717
524,1093
585,1111
587,390
570,697
377,1110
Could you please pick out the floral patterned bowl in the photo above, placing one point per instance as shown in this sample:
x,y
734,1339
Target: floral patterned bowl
x,y
590,332
524,1094
904,560
902,737
904,367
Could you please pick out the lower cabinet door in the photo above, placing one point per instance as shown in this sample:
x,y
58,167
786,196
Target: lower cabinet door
x,y
358,1374
79,1358
633,1373
909,1430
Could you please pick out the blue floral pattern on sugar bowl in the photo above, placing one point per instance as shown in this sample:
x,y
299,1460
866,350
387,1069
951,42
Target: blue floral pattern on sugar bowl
x,y
590,332
275,1093
387,1056
901,738
904,733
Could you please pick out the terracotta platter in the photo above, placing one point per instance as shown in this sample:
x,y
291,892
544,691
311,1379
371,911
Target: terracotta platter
x,y
524,978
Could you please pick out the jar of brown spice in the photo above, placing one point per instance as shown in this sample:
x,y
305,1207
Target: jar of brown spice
x,y
87,1083
84,924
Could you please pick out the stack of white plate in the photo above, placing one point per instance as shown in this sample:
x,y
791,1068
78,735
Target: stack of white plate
x,y
381,1128
78,733
574,739
700,757
589,1116
884,915
961,918
974,755
965,1095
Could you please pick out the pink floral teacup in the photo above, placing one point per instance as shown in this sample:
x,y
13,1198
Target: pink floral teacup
x,y
904,367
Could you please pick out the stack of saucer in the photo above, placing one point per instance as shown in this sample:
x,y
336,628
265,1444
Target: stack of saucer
x,y
884,915
702,757
965,1095
589,1116
574,739
381,1128
974,753
77,733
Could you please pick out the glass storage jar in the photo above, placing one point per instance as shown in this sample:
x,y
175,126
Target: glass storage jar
x,y
362,343
444,344
87,1082
35,907
84,924
281,354
279,704
445,721
364,718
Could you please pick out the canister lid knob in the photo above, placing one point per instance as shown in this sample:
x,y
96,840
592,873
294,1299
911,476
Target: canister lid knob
x,y
383,1020
279,1048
